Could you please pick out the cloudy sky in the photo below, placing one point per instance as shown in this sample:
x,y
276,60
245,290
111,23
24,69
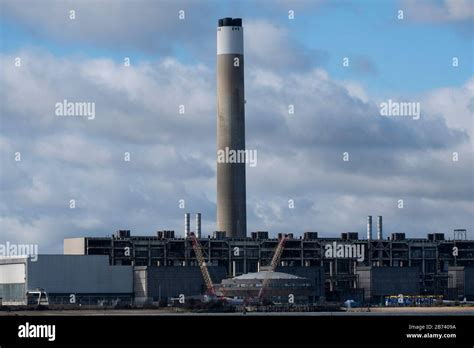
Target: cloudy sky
x,y
47,57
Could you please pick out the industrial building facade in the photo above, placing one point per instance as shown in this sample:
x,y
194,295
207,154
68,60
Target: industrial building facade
x,y
67,279
377,282
156,284
280,286
431,260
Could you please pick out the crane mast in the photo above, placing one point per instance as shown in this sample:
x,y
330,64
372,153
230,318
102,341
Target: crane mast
x,y
273,265
205,272
202,264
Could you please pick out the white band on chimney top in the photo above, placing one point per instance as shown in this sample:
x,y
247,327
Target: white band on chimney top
x,y
230,40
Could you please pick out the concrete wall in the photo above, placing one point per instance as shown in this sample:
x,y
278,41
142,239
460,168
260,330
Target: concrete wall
x,y
140,284
231,192
365,281
75,246
13,273
13,280
456,279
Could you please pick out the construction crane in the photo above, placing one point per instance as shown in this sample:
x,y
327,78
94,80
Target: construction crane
x,y
202,264
207,277
273,265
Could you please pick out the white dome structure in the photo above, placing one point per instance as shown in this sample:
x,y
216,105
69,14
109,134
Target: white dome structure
x,y
267,274
279,287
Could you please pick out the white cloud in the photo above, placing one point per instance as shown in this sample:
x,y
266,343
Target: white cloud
x,y
356,90
127,25
72,148
459,9
455,104
271,46
439,12
173,156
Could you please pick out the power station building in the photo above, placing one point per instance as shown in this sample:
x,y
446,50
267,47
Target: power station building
x,y
343,262
164,265
155,284
378,282
67,279
280,286
141,269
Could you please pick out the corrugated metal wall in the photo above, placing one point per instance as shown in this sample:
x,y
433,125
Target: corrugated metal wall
x,y
89,274
395,280
314,274
469,282
173,281
12,293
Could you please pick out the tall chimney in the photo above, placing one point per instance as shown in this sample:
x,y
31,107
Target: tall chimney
x,y
198,225
231,195
379,228
369,227
187,224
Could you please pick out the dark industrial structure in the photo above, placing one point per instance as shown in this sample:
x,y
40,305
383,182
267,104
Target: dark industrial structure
x,y
377,282
427,264
66,279
308,268
280,287
155,284
461,281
